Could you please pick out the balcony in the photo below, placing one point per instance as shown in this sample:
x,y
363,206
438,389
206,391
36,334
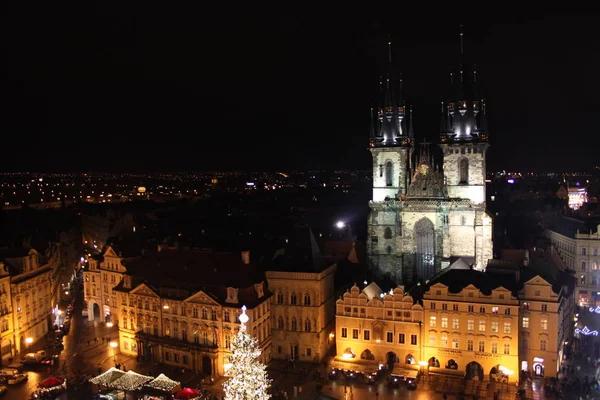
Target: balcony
x,y
169,341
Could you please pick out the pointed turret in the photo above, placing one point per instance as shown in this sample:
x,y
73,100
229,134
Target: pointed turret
x,y
390,113
464,108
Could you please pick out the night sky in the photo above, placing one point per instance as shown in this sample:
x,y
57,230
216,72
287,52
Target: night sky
x,y
125,87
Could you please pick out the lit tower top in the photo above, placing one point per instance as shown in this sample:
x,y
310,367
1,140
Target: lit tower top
x,y
463,116
387,129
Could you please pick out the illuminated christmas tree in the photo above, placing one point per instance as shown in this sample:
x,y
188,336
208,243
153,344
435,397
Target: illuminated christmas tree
x,y
248,376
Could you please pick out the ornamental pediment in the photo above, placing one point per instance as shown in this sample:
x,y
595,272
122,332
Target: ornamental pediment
x,y
201,298
144,290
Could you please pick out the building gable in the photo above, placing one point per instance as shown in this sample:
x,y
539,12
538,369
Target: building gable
x,y
144,290
110,252
201,298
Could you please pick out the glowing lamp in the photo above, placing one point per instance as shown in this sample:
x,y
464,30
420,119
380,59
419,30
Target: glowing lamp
x,y
114,345
29,340
340,224
109,324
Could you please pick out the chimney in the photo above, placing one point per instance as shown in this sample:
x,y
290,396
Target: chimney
x,y
246,257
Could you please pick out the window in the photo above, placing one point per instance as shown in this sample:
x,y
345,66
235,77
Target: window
x,y
344,333
431,341
482,310
470,325
507,327
494,326
455,343
444,322
387,234
481,346
525,322
537,293
481,325
507,311
293,298
401,338
204,313
432,322
295,324
226,316
463,167
544,307
307,299
308,352
454,307
469,344
494,310
389,173
583,266
525,306
494,348
307,326
444,306
390,337
280,323
432,306
506,348
543,344
354,333
279,298
195,313
583,251
213,315
455,323
471,309
413,340
544,324
444,342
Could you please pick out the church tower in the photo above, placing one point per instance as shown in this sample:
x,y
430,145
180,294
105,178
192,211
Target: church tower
x,y
391,146
464,137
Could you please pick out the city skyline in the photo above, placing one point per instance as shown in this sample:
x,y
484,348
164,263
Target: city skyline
x,y
142,93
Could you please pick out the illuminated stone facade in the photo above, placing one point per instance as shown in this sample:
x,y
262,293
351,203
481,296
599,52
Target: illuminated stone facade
x,y
302,314
175,306
424,214
385,330
472,331
579,247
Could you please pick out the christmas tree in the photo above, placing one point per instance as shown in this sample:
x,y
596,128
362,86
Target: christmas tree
x,y
248,376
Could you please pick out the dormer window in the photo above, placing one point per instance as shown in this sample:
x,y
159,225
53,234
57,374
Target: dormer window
x,y
259,290
232,295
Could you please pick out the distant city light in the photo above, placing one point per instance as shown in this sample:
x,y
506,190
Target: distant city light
x,y
511,181
340,224
249,183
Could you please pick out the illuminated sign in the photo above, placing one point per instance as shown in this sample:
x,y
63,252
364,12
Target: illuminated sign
x,y
586,331
596,310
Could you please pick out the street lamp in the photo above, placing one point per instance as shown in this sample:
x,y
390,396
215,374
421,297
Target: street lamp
x,y
109,324
28,341
114,346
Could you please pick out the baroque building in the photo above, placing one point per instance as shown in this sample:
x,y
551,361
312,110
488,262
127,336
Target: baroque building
x,y
181,307
427,214
303,301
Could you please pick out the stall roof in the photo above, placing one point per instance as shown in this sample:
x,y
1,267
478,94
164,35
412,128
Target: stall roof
x,y
350,366
404,372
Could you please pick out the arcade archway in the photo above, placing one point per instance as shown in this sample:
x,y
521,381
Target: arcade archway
x,y
410,359
434,362
474,371
390,359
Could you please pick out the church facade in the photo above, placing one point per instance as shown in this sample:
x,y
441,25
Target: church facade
x,y
427,214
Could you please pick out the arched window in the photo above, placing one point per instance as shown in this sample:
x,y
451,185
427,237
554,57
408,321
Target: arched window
x,y
389,173
279,298
387,233
307,325
463,171
307,299
294,324
293,298
280,323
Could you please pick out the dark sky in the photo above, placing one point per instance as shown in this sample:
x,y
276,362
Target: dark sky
x,y
128,87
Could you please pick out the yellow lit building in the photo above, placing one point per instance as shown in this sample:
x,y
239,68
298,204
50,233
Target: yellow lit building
x,y
383,328
471,325
303,301
181,307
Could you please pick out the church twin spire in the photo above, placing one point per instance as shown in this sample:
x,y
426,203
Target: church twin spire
x,y
388,128
464,115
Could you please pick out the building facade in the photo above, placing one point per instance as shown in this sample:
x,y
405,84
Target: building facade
x,y
383,328
578,245
472,328
303,301
425,213
26,302
181,307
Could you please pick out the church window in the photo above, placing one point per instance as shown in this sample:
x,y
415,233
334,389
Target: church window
x,y
388,233
463,168
307,325
389,173
279,298
293,299
280,323
294,324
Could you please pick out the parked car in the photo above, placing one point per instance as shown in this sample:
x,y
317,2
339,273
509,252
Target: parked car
x,y
16,379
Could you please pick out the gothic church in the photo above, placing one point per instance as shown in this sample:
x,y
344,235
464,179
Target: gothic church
x,y
426,216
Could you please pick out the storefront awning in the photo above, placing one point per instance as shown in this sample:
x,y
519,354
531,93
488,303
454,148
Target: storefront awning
x,y
447,371
409,373
354,367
